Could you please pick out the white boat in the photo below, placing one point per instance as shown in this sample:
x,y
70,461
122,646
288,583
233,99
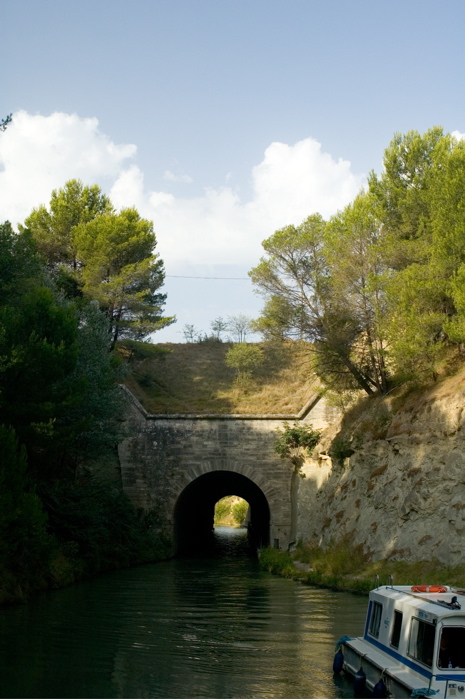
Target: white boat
x,y
413,644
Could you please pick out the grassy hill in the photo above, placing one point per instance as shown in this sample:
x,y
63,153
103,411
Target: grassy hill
x,y
194,378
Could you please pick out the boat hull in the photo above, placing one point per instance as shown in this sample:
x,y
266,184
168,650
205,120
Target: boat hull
x,y
400,681
353,660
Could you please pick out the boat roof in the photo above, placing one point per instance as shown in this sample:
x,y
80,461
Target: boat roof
x,y
438,604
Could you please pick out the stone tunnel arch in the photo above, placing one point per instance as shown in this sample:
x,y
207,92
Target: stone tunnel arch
x,y
164,456
194,509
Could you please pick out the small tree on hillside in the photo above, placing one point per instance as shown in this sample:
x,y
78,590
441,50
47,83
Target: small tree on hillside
x,y
239,326
121,271
190,332
218,327
245,359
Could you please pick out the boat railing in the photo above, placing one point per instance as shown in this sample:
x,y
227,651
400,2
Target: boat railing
x,y
390,582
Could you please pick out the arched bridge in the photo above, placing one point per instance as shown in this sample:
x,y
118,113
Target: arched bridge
x,y
181,465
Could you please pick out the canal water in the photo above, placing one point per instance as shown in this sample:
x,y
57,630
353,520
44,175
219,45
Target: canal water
x,y
213,626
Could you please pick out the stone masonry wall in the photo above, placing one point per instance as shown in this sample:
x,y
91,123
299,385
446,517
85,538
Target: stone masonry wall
x,y
402,496
164,454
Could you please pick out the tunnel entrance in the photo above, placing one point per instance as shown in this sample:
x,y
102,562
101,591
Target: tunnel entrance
x,y
194,510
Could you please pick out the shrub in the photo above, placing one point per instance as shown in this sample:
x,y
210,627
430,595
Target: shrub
x,y
137,351
222,510
239,511
245,359
339,559
294,438
25,544
99,525
276,561
342,447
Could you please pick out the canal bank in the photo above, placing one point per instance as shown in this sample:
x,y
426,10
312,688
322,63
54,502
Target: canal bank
x,y
341,567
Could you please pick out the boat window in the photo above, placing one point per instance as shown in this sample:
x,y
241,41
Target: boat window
x,y
375,620
396,629
451,651
421,642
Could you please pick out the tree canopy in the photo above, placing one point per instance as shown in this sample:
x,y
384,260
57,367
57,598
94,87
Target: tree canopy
x,y
54,228
61,412
57,377
77,276
307,301
378,289
96,252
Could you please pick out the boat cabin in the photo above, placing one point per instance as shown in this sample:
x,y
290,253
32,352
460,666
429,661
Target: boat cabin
x,y
413,644
424,629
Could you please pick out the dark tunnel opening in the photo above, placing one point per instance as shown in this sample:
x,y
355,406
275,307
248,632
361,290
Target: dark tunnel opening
x,y
194,511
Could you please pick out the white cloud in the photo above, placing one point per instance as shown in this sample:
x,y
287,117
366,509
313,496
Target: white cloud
x,y
289,184
292,181
128,189
157,199
40,153
458,135
171,177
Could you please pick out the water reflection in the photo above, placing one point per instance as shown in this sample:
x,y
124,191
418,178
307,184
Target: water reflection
x,y
193,627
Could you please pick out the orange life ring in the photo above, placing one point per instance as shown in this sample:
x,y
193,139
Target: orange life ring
x,y
428,588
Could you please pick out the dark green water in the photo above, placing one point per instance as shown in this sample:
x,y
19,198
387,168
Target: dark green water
x,y
213,627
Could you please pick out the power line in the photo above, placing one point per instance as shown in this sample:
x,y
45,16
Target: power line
x,y
180,276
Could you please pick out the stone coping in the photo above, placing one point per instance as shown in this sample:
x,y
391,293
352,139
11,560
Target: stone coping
x,y
221,416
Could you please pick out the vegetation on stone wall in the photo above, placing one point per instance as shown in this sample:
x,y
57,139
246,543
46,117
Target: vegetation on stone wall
x,y
295,442
94,521
295,437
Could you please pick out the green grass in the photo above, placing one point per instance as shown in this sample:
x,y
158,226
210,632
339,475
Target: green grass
x,y
194,378
345,567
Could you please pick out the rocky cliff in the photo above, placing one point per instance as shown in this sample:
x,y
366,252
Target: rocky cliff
x,y
401,493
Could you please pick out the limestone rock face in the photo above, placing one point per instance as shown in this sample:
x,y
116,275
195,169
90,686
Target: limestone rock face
x,y
402,496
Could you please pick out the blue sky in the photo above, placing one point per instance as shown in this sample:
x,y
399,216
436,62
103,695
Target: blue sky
x,y
221,121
